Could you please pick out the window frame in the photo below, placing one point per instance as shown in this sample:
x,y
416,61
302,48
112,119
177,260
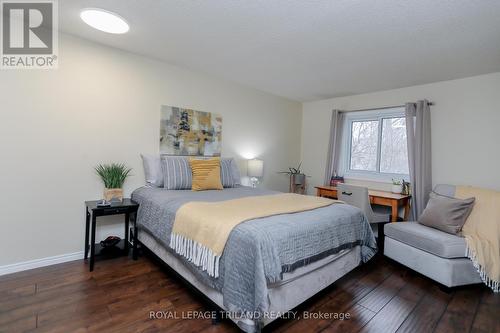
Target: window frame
x,y
370,115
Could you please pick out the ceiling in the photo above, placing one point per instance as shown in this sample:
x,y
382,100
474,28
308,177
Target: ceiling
x,y
308,49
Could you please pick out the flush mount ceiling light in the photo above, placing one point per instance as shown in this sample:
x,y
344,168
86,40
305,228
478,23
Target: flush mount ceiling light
x,y
104,20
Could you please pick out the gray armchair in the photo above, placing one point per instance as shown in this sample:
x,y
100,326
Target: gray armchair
x,y
431,252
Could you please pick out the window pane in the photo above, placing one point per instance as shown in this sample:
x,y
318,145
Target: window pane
x,y
364,142
394,153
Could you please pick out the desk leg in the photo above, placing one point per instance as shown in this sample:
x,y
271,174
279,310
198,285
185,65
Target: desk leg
x,y
92,243
407,210
127,231
394,211
87,226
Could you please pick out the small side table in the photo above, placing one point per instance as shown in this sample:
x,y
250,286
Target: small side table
x,y
92,211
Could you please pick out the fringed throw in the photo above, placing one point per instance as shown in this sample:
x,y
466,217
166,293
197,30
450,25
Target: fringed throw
x,y
494,285
201,229
196,253
482,233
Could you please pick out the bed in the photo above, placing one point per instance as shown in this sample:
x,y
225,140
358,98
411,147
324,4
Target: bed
x,y
269,265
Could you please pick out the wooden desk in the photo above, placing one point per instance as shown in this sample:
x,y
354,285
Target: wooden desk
x,y
383,198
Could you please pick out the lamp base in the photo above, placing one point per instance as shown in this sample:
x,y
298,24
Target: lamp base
x,y
254,181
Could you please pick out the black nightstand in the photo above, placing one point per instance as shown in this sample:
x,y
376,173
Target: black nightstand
x,y
92,211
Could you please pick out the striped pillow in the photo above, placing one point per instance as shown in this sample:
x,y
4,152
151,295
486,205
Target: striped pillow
x,y
177,173
228,168
236,173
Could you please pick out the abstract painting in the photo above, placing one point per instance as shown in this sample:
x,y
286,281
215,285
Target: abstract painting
x,y
190,132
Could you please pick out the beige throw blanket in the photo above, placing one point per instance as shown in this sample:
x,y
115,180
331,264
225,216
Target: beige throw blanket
x,y
482,233
201,229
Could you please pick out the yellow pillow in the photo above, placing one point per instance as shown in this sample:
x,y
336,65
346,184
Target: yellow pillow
x,y
206,174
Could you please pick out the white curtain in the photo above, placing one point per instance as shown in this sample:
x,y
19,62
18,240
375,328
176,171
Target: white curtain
x,y
418,131
333,157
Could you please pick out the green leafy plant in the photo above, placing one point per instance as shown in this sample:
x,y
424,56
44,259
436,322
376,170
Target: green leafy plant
x,y
113,175
293,171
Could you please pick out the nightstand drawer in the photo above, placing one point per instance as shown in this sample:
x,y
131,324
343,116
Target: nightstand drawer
x,y
114,210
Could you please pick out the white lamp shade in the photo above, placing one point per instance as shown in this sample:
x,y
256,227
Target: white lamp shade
x,y
255,168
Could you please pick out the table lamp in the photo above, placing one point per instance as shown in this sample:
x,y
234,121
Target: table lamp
x,y
255,170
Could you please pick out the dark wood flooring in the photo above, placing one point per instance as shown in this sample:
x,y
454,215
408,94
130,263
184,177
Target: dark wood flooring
x,y
380,296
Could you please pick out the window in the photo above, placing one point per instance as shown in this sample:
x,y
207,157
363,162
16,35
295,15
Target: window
x,y
394,151
375,145
364,137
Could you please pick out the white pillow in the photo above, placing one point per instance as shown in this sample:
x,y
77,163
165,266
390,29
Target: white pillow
x,y
152,170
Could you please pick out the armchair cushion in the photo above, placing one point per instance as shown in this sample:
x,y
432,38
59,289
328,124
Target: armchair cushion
x,y
431,240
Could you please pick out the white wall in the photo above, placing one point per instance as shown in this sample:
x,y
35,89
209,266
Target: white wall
x,y
465,129
103,105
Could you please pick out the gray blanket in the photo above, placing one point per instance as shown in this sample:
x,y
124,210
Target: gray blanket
x,y
259,251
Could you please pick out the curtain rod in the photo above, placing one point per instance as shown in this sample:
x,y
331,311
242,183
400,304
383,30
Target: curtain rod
x,y
380,108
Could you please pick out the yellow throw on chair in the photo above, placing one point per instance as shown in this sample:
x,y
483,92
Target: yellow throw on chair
x,y
482,233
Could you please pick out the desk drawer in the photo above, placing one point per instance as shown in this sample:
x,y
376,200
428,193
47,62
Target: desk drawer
x,y
328,194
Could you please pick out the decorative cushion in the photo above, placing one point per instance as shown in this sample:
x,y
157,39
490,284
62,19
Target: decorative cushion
x,y
229,173
152,170
427,239
206,174
446,213
176,173
236,172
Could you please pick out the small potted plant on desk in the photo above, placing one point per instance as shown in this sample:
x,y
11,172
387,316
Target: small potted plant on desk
x,y
297,179
397,186
113,176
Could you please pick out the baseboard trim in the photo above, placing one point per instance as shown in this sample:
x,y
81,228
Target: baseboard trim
x,y
31,264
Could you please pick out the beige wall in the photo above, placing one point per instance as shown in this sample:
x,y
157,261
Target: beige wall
x,y
103,105
465,129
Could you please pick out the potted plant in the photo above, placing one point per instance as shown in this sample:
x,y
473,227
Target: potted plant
x,y
397,186
113,176
296,175
297,179
406,188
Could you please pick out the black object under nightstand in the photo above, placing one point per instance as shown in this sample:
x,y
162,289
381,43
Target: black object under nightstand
x,y
92,211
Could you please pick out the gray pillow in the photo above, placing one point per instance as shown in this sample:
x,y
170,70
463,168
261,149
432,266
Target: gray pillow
x,y
235,172
446,213
177,174
229,173
152,170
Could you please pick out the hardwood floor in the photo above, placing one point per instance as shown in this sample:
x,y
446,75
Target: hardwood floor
x,y
380,296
